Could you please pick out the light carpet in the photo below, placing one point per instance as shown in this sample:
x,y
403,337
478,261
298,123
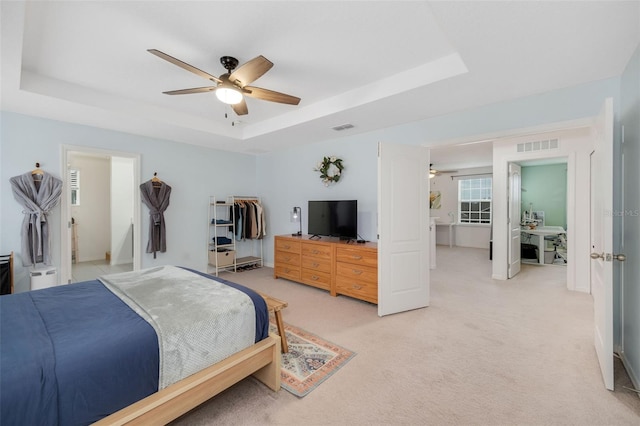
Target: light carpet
x,y
484,353
310,361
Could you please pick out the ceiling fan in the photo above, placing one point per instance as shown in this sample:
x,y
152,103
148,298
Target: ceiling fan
x,y
433,172
231,86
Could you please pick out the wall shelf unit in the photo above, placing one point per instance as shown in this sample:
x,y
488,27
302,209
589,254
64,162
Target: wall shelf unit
x,y
227,219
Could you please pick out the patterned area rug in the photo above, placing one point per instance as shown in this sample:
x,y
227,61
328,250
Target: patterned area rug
x,y
310,361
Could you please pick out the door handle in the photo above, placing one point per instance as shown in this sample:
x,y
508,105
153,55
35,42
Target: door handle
x,y
609,257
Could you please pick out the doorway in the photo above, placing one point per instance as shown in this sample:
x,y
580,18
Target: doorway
x,y
101,217
572,145
541,218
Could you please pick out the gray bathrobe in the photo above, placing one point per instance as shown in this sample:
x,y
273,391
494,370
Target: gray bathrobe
x,y
38,201
157,199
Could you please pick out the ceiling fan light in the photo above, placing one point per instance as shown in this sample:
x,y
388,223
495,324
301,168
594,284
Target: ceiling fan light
x,y
228,95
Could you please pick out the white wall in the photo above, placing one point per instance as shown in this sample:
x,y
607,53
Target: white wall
x,y
287,178
122,210
92,215
466,235
193,172
576,145
283,179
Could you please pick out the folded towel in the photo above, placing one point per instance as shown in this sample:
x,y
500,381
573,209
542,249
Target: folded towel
x,y
222,240
221,221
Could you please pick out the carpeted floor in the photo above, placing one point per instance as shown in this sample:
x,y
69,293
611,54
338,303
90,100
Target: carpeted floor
x,y
485,352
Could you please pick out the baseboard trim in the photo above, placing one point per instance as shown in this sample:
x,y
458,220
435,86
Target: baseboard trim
x,y
632,374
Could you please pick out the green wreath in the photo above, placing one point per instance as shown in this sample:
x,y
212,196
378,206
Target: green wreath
x,y
330,169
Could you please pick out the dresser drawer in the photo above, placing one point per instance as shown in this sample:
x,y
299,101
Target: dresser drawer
x,y
287,245
359,289
356,272
357,256
284,257
317,279
315,264
287,271
319,251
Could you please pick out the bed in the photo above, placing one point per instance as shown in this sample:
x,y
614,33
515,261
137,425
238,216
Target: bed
x,y
84,353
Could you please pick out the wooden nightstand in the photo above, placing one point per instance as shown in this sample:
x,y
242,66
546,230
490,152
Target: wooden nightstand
x,y
276,306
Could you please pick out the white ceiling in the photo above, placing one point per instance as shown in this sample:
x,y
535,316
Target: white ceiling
x,y
372,64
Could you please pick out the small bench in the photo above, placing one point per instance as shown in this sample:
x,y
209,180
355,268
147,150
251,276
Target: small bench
x,y
276,306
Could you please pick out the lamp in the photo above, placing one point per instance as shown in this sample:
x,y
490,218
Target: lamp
x,y
228,95
296,216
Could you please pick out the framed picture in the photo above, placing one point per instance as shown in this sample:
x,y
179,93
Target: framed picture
x,y
434,200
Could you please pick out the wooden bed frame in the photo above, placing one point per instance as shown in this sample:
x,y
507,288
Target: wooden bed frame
x,y
262,360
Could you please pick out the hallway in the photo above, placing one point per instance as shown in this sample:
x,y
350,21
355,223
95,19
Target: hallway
x,y
85,271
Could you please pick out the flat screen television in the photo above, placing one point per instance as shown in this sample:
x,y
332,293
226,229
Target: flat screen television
x,y
337,218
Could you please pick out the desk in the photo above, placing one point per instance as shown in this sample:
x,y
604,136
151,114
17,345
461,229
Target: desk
x,y
541,231
432,242
450,225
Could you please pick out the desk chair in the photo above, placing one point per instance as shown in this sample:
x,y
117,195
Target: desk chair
x,y
559,241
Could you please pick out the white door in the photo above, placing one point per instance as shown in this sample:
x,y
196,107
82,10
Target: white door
x,y
403,228
515,179
602,240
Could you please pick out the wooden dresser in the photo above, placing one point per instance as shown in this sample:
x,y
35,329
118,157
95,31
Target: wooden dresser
x,y
344,268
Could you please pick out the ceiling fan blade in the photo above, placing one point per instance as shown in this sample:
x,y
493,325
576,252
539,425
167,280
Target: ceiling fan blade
x,y
240,108
184,65
189,91
272,96
250,71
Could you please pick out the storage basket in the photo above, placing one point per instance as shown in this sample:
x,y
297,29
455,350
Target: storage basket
x,y
222,257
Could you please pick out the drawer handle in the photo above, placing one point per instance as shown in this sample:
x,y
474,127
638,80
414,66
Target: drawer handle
x,y
356,271
315,265
356,257
315,251
287,258
315,278
287,270
357,287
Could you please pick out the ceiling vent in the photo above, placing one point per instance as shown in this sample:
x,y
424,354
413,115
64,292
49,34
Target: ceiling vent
x,y
542,145
343,127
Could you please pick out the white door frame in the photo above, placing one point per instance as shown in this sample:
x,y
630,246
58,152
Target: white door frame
x,y
65,222
500,173
514,192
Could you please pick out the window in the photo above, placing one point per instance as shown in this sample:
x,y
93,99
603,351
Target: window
x,y
74,183
474,200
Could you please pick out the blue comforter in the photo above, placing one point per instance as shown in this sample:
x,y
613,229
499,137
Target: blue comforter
x,y
73,354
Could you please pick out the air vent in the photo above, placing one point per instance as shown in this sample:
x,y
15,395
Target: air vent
x,y
343,127
542,145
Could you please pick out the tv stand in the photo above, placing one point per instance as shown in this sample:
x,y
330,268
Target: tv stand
x,y
332,264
